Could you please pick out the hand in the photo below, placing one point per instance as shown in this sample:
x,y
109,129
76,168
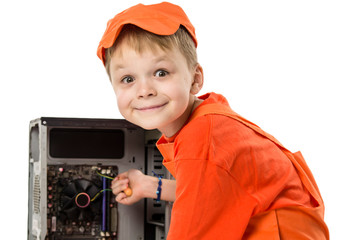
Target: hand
x,y
134,179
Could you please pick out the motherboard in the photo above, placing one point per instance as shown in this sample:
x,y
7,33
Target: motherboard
x,y
80,202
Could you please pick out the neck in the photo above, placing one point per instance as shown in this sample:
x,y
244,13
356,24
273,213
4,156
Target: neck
x,y
171,131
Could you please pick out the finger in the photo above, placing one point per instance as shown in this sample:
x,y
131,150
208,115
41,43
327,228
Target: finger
x,y
122,176
117,183
120,197
119,189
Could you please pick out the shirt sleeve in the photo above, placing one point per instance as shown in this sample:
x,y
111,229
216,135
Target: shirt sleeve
x,y
210,203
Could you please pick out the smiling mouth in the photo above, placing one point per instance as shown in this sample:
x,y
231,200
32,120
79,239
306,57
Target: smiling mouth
x,y
150,108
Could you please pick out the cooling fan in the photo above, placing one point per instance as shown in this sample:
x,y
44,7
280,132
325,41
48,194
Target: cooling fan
x,y
79,202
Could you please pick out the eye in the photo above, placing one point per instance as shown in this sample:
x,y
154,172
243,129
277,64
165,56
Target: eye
x,y
161,73
127,80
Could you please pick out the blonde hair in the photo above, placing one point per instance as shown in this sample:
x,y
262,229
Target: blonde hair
x,y
139,40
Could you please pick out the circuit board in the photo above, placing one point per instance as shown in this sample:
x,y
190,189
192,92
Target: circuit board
x,y
80,202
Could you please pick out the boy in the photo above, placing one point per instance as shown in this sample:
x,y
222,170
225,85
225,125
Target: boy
x,y
233,181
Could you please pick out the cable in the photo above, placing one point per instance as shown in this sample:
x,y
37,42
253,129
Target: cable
x,y
107,189
102,175
96,195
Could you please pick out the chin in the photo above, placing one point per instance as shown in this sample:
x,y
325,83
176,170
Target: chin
x,y
146,125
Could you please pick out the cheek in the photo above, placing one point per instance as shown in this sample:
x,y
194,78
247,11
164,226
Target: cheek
x,y
180,91
177,87
122,101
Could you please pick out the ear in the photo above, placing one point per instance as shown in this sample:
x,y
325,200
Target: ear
x,y
198,80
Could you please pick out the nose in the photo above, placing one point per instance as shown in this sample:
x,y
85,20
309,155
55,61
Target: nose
x,y
145,89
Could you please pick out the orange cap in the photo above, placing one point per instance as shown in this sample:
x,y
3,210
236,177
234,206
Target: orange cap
x,y
161,19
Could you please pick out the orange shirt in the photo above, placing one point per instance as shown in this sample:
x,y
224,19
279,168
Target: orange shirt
x,y
232,182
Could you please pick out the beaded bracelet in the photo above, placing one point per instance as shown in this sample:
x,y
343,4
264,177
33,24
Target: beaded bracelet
x,y
158,191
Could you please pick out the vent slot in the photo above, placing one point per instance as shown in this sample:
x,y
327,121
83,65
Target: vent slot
x,y
36,194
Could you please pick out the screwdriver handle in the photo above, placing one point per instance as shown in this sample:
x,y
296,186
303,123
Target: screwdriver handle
x,y
128,192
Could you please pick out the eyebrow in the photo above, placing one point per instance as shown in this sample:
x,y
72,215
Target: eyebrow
x,y
163,58
157,59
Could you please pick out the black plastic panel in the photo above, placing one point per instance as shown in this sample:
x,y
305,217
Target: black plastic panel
x,y
86,143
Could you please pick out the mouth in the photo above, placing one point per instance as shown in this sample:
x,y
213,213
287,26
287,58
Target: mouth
x,y
150,108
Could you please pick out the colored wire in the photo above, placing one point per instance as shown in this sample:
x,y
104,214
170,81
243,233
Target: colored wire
x,y
102,175
106,189
96,195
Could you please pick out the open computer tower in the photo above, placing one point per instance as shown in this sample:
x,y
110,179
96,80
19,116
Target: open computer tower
x,y
71,164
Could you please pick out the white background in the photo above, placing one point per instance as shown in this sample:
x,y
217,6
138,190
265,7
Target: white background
x,y
292,67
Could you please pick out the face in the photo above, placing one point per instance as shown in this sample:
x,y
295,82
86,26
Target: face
x,y
155,89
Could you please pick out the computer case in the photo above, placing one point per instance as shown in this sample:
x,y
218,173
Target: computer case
x,y
71,164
